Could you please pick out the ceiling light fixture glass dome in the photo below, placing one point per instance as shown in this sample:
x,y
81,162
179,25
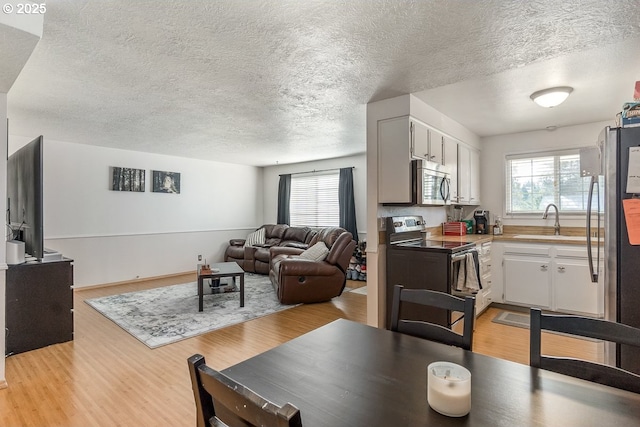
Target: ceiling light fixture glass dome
x,y
551,97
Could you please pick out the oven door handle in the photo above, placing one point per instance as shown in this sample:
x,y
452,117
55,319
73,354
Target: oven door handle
x,y
459,257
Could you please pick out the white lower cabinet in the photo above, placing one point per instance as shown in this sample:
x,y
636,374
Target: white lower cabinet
x,y
574,292
527,281
553,277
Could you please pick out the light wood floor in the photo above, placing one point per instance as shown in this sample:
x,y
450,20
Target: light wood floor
x,y
105,377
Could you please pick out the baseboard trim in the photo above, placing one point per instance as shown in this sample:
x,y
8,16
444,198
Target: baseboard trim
x,y
126,282
3,384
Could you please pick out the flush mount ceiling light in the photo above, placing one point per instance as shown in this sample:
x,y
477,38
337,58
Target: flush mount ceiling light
x,y
551,97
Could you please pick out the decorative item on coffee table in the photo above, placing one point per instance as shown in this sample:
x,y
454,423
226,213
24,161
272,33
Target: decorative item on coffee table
x,y
205,269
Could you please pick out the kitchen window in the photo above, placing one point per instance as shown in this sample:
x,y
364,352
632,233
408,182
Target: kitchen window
x,y
314,200
534,180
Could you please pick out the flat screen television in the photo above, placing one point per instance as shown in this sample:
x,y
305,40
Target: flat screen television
x,y
25,203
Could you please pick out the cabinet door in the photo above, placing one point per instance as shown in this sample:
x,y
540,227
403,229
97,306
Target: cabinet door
x,y
464,174
39,305
394,161
450,161
436,146
474,184
527,281
419,140
573,290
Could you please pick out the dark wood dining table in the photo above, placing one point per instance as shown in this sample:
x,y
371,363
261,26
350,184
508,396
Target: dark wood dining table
x,y
349,374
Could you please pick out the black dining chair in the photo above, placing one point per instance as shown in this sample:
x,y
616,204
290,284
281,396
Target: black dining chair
x,y
216,395
432,331
584,327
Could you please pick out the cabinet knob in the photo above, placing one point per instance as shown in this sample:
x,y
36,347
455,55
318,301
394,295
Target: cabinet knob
x,y
561,269
543,267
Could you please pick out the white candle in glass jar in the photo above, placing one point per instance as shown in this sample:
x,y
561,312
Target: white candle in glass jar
x,y
449,388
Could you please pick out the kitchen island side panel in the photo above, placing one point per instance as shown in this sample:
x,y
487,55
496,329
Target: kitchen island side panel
x,y
417,269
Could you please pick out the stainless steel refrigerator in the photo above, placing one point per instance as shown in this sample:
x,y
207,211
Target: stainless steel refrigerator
x,y
608,164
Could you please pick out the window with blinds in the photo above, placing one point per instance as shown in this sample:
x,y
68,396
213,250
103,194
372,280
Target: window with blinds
x,y
535,180
314,200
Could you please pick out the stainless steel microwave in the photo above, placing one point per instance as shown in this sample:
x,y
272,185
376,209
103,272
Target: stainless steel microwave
x,y
433,184
430,185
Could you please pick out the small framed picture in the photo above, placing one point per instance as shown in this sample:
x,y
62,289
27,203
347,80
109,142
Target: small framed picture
x,y
127,179
166,182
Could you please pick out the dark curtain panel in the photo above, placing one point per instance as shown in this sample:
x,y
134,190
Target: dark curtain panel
x,y
284,194
347,202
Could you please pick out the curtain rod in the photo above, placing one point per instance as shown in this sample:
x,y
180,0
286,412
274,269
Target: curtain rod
x,y
314,171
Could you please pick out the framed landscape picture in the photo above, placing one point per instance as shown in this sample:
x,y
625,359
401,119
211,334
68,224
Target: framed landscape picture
x,y
166,182
127,179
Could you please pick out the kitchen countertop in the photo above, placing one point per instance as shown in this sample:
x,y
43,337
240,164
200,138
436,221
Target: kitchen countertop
x,y
538,234
509,236
482,238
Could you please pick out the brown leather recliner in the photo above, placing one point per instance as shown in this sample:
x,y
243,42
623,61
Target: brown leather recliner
x,y
298,280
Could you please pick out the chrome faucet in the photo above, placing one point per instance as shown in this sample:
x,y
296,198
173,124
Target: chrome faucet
x,y
556,226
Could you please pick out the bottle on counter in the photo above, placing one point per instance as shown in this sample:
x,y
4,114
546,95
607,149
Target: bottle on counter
x,y
497,228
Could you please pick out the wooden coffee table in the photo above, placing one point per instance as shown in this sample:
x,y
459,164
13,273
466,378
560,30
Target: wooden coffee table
x,y
224,269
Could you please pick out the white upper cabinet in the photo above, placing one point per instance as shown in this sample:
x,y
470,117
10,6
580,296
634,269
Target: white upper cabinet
x,y
450,161
474,185
468,175
426,143
419,140
436,147
394,160
464,174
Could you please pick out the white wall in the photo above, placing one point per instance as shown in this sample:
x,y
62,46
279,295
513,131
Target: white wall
x,y
116,236
492,165
359,162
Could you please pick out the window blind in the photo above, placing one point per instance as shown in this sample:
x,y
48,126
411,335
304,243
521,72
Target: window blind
x,y
536,179
314,200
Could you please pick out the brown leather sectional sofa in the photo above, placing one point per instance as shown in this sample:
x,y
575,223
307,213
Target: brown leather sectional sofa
x,y
256,259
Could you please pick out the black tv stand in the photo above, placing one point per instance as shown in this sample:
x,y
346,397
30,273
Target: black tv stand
x,y
39,305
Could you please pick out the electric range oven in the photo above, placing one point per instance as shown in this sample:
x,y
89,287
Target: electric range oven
x,y
417,263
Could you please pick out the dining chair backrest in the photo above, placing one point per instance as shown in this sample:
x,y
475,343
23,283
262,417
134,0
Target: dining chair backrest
x,y
432,331
216,393
584,327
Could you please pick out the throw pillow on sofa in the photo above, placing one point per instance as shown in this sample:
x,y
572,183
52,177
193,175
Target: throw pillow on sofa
x,y
317,252
255,238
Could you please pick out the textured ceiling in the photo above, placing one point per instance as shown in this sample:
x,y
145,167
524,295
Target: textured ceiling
x,y
258,82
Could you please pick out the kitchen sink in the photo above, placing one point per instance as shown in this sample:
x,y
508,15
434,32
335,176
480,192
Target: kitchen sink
x,y
550,237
